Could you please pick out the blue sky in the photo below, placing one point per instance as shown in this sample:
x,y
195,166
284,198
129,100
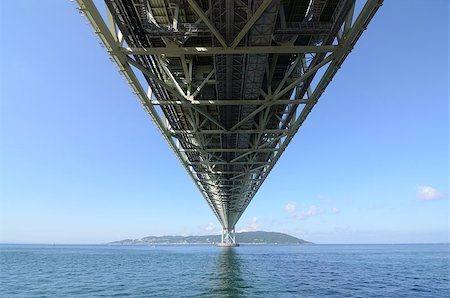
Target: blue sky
x,y
81,161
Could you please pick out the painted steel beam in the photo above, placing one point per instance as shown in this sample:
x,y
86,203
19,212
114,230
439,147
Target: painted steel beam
x,y
219,132
212,102
202,15
249,24
219,150
229,163
178,51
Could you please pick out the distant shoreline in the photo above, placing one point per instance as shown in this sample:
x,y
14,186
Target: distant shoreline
x,y
252,238
208,244
204,244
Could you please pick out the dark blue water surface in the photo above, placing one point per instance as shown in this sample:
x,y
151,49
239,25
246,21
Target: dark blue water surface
x,y
208,271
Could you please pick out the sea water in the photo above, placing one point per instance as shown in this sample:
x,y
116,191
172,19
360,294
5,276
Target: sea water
x,y
209,271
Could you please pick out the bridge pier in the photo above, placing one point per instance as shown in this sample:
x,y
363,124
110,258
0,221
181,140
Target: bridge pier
x,y
228,238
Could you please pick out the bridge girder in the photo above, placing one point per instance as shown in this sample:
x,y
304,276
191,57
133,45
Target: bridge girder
x,y
229,97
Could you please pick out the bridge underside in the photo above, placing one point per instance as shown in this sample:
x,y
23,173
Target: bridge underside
x,y
229,81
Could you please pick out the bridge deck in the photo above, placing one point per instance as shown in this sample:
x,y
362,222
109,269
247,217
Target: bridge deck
x,y
230,81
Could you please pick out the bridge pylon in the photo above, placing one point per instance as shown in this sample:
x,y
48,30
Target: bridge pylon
x,y
228,238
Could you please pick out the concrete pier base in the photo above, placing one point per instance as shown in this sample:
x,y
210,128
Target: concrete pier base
x,y
228,244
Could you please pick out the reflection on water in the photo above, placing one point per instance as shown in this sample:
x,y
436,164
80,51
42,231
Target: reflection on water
x,y
419,271
228,280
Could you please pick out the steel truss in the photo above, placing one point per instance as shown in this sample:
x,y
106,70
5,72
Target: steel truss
x,y
230,84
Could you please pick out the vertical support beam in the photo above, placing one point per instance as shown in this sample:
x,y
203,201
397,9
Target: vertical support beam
x,y
187,74
288,74
112,24
202,15
304,76
251,22
203,83
175,16
349,19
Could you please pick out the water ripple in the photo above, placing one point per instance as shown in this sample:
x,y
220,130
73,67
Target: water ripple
x,y
204,271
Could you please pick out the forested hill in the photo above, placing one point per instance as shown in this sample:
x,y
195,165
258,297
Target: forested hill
x,y
258,237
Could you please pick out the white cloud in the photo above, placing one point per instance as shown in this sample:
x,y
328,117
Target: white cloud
x,y
252,225
210,227
290,208
336,210
311,211
428,193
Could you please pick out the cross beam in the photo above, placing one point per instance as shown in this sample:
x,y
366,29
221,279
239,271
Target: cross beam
x,y
202,51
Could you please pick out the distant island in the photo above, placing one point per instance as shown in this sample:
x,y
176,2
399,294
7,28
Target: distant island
x,y
258,237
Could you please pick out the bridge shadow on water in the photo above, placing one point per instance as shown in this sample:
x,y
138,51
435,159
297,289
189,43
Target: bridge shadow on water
x,y
228,279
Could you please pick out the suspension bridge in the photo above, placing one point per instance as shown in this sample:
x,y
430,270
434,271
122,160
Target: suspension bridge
x,y
228,82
